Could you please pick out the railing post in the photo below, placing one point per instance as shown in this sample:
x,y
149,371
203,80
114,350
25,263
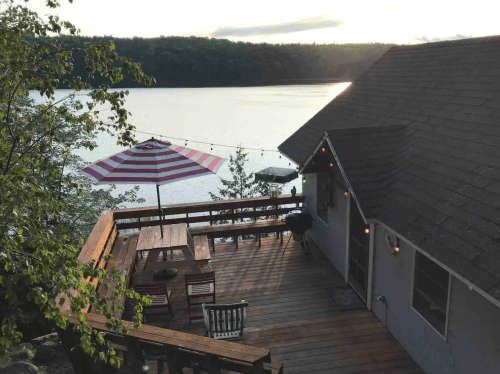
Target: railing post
x,y
134,354
255,213
235,238
187,219
212,363
172,355
211,222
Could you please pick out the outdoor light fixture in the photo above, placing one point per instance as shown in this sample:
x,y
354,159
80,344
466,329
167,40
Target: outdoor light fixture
x,y
392,243
367,230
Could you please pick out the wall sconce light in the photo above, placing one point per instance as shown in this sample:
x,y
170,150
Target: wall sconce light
x,y
392,242
367,230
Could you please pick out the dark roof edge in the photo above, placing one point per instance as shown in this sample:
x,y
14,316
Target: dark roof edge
x,y
448,43
478,289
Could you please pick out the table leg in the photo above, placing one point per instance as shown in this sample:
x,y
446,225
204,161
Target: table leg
x,y
151,259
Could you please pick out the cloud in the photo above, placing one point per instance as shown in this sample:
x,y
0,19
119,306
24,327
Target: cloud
x,y
425,39
320,22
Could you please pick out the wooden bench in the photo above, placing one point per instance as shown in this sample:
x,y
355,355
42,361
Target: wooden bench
x,y
201,249
240,228
123,260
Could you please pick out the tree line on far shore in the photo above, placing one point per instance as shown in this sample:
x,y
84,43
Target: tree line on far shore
x,y
202,62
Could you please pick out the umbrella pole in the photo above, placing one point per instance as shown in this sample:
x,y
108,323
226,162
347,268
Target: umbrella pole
x,y
159,209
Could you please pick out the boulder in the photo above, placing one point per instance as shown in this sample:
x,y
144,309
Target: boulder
x,y
20,368
46,351
24,353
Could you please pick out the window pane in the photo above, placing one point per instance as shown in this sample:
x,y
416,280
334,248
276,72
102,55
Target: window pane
x,y
430,292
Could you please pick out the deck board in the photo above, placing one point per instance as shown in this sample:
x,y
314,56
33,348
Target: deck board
x,y
290,310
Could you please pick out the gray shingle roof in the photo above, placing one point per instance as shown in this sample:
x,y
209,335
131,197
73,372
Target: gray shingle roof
x,y
418,137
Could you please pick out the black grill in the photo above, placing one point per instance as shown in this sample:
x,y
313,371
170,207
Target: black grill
x,y
298,223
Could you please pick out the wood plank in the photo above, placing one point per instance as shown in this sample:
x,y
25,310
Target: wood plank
x,y
201,248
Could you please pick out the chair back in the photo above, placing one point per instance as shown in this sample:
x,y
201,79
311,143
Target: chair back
x,y
198,281
225,321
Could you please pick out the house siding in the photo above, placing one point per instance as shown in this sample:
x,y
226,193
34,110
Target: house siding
x,y
331,237
472,343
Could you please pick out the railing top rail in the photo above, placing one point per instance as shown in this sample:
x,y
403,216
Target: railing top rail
x,y
157,335
96,237
208,206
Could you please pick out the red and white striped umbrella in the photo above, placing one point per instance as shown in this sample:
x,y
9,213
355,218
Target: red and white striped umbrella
x,y
153,162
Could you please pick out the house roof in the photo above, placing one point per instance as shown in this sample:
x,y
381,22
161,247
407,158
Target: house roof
x,y
418,138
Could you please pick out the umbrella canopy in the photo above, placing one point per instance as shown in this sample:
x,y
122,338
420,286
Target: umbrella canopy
x,y
153,162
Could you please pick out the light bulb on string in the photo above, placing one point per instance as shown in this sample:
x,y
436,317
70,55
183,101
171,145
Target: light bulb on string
x,y
367,230
262,153
323,149
331,164
211,147
396,249
346,193
304,179
185,145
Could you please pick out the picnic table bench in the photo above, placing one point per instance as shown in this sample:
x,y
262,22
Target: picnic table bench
x,y
240,228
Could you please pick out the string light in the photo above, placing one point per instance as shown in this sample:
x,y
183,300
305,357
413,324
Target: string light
x,y
396,249
211,147
186,143
470,288
323,149
304,180
367,230
331,164
207,143
262,153
346,193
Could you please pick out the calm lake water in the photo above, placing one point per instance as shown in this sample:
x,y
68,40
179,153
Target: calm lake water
x,y
255,117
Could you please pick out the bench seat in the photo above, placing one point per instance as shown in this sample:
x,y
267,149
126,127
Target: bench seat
x,y
240,228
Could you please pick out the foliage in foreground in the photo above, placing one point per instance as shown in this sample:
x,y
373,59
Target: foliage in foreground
x,y
43,207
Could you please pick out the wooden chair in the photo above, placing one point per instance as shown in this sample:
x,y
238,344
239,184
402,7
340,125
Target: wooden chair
x,y
161,298
225,321
200,286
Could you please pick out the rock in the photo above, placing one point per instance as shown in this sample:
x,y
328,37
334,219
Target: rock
x,y
19,368
24,354
46,351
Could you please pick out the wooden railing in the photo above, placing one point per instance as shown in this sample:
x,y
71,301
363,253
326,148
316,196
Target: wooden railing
x,y
174,349
275,207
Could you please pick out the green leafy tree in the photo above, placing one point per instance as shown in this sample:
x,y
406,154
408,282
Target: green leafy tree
x,y
241,185
42,203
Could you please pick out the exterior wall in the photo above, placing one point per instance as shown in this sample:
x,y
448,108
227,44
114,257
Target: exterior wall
x,y
331,237
472,343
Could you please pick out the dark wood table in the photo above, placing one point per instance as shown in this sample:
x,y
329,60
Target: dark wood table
x,y
174,237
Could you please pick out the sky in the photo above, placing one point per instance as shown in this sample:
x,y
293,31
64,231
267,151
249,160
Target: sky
x,y
272,21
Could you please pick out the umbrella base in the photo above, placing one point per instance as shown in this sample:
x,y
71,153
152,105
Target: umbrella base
x,y
165,273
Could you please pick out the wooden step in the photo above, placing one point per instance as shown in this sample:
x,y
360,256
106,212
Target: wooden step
x,y
201,248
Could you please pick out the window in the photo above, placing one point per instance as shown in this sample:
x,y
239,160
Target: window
x,y
322,196
430,292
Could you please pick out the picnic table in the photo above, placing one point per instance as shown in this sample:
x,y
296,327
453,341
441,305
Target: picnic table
x,y
174,237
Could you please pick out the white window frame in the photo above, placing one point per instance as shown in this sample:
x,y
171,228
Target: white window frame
x,y
445,336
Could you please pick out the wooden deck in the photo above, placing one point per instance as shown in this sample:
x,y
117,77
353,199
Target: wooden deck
x,y
291,312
